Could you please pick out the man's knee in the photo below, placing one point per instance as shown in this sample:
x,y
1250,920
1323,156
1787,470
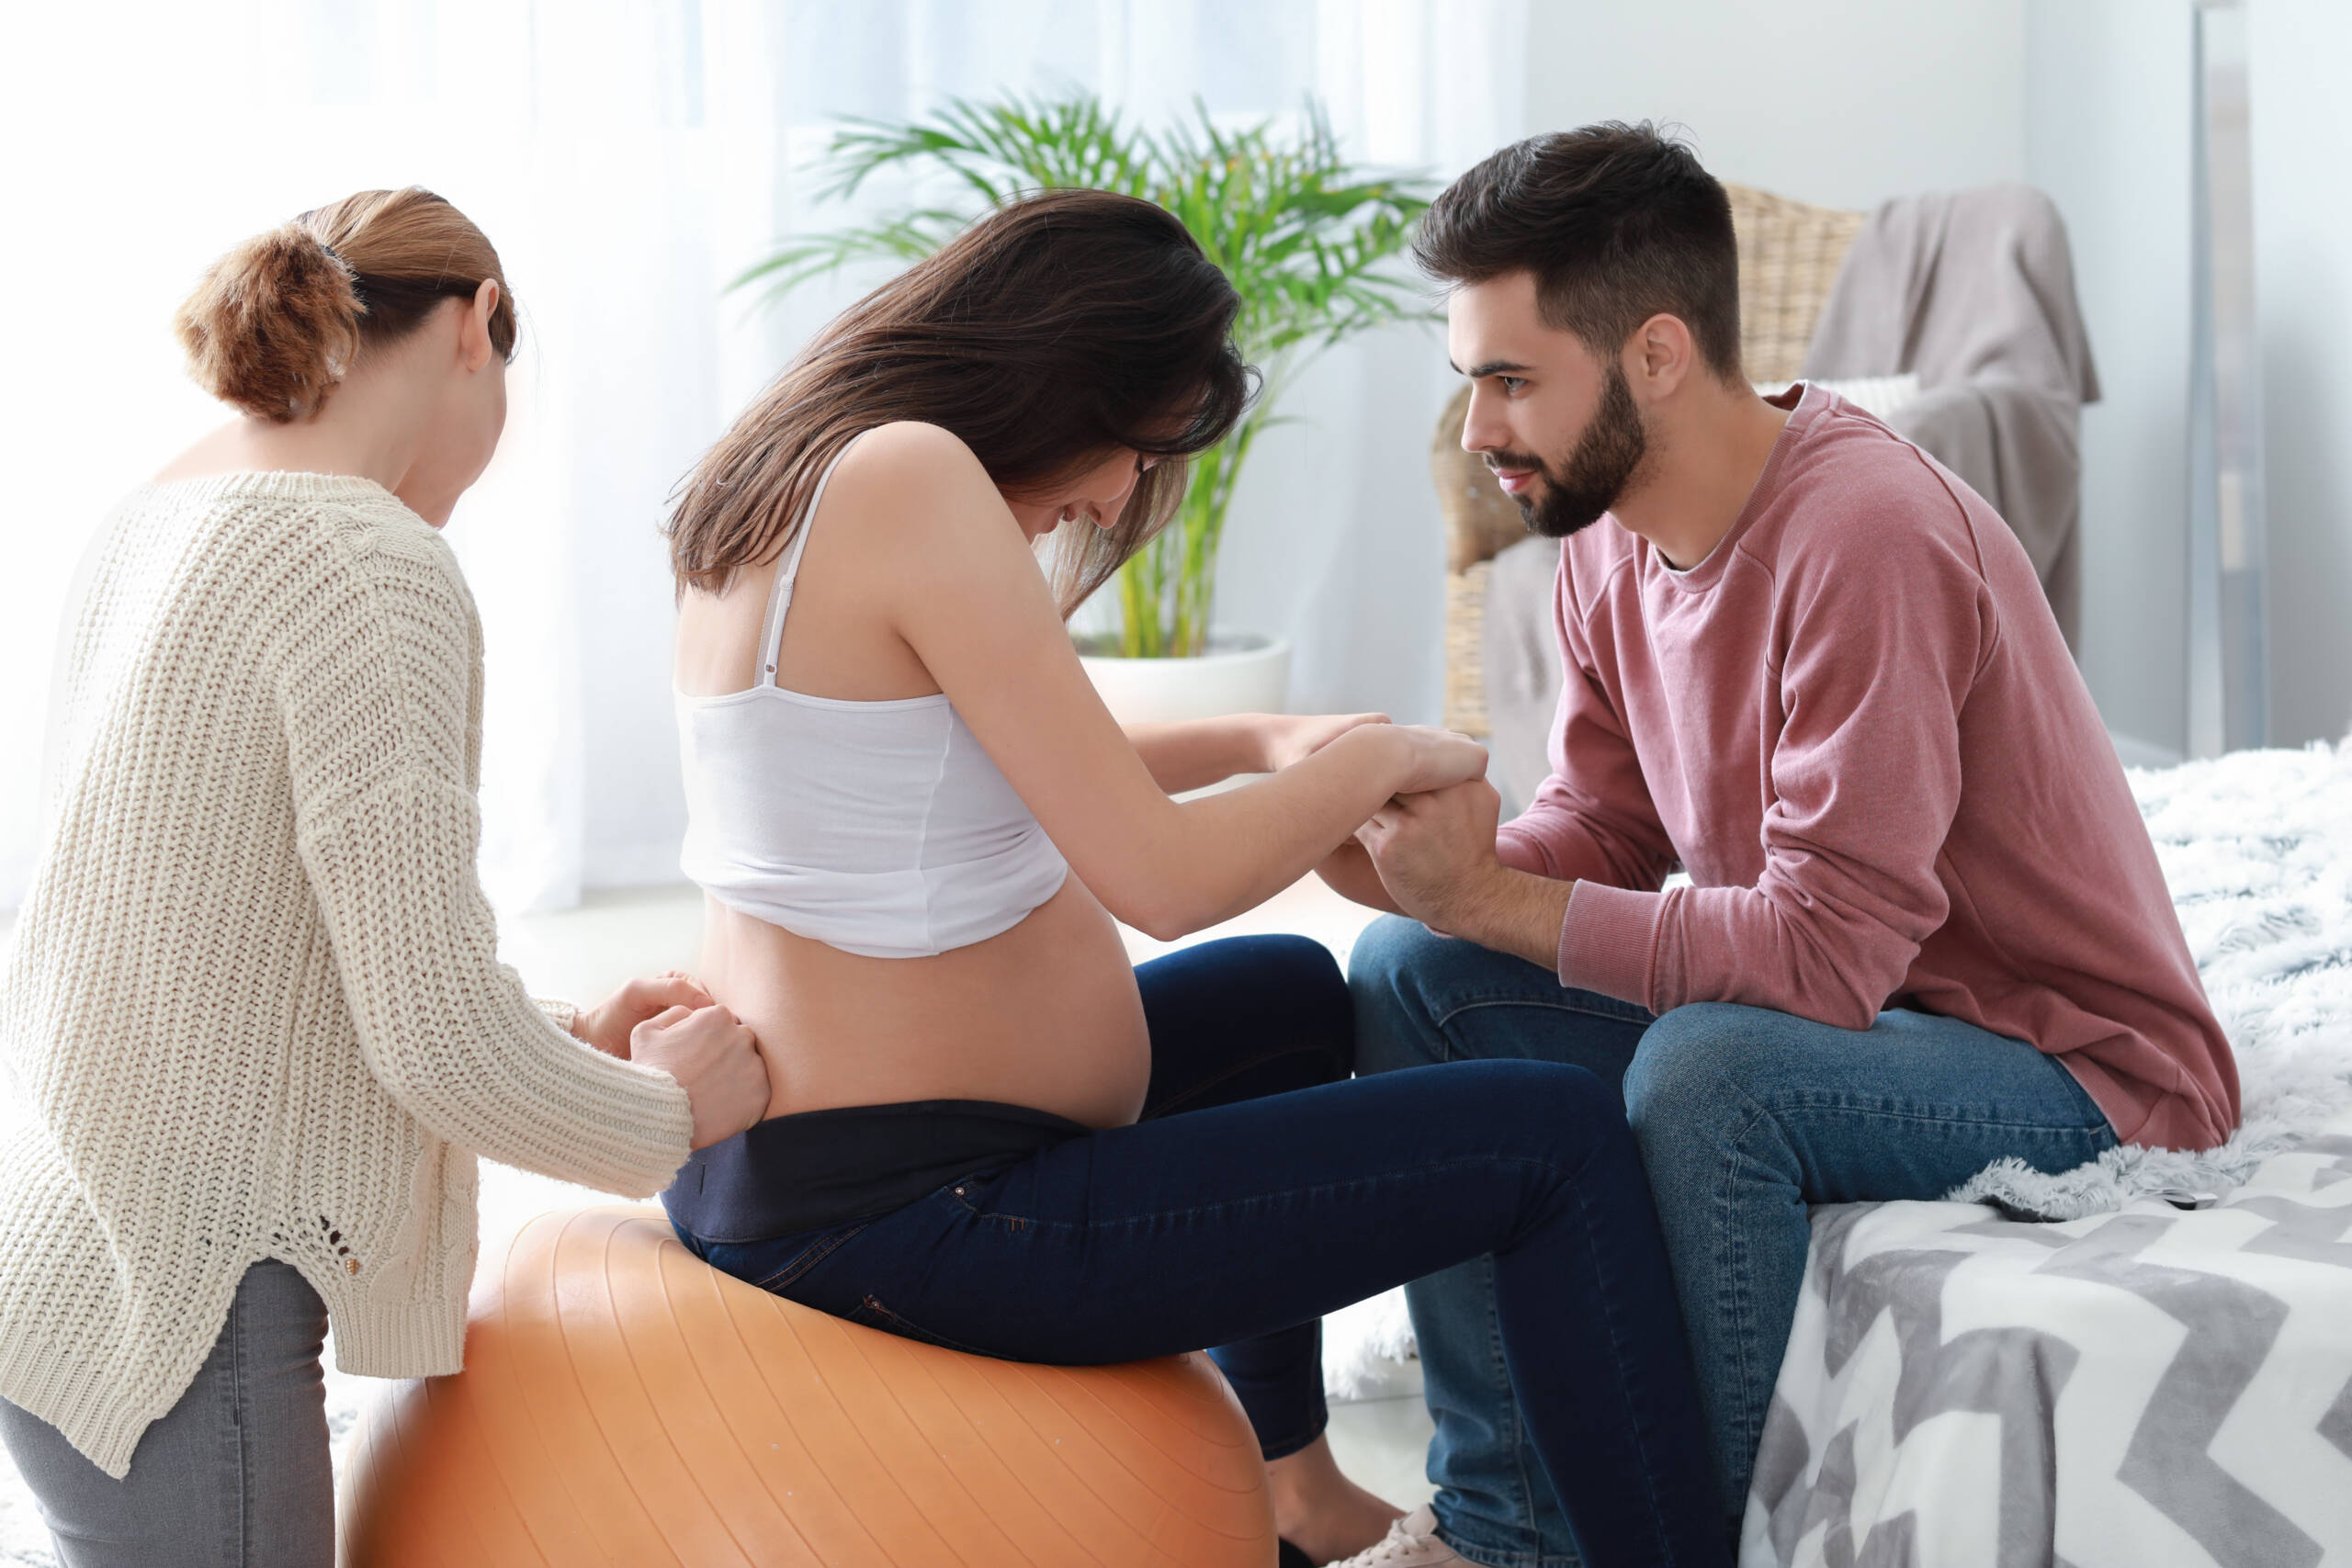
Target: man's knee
x,y
1395,1026
1691,1070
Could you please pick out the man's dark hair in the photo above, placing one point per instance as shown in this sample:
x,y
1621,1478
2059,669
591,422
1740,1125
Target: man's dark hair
x,y
1617,222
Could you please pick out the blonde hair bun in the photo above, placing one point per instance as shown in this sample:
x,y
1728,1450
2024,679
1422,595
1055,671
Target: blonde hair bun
x,y
273,326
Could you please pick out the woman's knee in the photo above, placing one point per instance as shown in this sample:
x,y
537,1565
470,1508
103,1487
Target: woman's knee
x,y
1546,1110
1254,997
1275,963
1395,1025
1308,988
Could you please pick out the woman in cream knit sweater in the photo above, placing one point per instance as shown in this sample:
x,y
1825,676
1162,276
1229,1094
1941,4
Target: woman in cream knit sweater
x,y
253,1017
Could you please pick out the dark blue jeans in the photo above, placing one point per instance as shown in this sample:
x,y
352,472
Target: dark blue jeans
x,y
1236,1214
1744,1116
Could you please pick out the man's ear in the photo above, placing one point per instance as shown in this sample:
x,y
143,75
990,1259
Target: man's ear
x,y
1659,358
474,347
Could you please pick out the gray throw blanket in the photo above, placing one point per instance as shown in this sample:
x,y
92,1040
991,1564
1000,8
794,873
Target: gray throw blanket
x,y
1974,292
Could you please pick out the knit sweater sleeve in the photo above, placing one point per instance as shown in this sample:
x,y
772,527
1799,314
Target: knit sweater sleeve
x,y
378,690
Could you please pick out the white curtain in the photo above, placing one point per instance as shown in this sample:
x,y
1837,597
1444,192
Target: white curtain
x,y
629,159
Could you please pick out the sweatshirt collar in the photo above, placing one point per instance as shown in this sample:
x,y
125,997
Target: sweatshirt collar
x,y
1804,402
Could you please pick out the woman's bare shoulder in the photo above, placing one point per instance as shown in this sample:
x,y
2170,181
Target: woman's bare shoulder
x,y
909,480
911,449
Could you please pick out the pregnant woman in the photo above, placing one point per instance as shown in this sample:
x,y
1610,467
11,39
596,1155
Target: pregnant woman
x,y
915,823
253,1019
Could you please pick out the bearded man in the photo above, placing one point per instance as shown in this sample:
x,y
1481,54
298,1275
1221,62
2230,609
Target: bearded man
x,y
1925,929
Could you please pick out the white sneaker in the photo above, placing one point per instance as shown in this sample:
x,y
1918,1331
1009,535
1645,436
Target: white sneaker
x,y
1411,1543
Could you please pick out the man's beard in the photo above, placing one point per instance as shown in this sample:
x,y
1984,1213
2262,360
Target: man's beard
x,y
1595,475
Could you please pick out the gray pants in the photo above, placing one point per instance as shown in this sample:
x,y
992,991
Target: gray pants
x,y
235,1475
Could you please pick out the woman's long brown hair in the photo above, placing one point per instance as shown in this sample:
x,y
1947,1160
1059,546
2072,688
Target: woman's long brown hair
x,y
1056,329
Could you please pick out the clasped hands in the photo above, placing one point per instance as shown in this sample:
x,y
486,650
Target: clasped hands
x,y
669,1022
1430,854
1435,853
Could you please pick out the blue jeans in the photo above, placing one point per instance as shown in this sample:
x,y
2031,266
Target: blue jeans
x,y
1235,1216
1744,1116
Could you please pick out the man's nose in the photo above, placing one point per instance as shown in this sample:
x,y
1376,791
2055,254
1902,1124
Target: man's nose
x,y
1480,431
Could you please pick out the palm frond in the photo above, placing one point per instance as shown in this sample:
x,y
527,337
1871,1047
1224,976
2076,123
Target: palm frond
x,y
905,239
1311,243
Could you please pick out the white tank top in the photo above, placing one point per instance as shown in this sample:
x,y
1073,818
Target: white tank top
x,y
878,828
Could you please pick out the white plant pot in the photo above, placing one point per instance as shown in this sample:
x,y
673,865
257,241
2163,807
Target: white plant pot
x,y
1241,673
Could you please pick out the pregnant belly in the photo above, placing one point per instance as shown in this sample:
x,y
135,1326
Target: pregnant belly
x,y
1044,1015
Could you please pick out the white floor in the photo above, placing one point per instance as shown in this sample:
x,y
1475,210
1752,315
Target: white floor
x,y
583,953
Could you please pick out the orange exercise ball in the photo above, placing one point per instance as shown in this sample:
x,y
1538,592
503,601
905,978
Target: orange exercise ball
x,y
623,1402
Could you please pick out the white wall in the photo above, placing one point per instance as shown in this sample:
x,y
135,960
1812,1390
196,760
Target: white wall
x,y
1849,102
2301,51
2107,121
2086,98
2109,105
1840,102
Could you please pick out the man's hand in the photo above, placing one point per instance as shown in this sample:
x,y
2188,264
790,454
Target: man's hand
x,y
1349,871
1284,739
609,1025
1435,857
1435,852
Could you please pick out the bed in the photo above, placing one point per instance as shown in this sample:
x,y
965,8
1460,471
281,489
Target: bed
x,y
2133,1383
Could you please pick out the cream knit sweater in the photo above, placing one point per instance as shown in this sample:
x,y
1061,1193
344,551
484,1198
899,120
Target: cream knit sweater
x,y
252,1007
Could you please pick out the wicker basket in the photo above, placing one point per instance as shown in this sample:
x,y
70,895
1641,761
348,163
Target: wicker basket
x,y
1789,256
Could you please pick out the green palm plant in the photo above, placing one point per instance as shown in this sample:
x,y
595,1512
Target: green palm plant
x,y
1309,241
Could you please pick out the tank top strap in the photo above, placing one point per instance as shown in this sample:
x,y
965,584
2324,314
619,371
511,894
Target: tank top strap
x,y
788,570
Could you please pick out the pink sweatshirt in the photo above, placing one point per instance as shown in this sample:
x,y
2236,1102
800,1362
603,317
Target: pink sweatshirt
x,y
1856,725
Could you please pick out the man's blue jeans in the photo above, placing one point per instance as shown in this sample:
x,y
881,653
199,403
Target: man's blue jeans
x,y
1743,1116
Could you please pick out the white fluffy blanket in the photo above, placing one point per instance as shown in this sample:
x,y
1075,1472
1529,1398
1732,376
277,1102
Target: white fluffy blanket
x,y
2258,849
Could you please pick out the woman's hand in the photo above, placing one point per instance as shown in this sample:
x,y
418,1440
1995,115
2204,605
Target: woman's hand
x,y
1422,758
608,1025
715,1060
1284,739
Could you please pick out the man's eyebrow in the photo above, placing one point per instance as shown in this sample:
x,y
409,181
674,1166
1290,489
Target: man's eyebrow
x,y
1491,368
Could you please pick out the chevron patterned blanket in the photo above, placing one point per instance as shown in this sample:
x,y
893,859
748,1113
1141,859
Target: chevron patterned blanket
x,y
2136,1387
2144,1389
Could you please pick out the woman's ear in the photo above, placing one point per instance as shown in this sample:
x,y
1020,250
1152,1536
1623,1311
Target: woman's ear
x,y
474,345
